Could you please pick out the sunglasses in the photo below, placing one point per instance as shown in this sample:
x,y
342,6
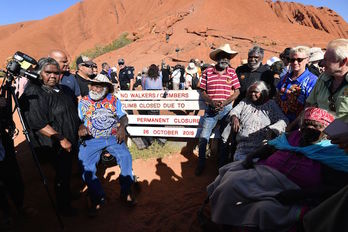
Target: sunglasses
x,y
299,60
89,65
332,105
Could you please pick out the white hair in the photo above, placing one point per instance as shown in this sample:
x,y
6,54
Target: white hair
x,y
260,87
339,47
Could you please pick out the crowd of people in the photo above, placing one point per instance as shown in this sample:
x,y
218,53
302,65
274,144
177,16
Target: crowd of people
x,y
276,161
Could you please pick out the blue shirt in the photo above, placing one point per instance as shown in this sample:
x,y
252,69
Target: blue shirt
x,y
292,94
70,81
153,84
101,117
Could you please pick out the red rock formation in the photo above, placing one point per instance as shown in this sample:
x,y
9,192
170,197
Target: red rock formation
x,y
320,18
159,27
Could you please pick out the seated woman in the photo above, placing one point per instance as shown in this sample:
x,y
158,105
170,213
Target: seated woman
x,y
292,170
255,119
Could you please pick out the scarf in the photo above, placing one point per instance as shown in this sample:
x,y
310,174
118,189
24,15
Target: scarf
x,y
323,151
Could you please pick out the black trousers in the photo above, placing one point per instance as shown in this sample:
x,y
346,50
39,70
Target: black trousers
x,y
61,161
11,182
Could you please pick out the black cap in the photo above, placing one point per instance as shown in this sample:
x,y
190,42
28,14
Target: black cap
x,y
84,60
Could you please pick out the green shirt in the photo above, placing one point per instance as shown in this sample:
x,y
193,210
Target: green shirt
x,y
319,96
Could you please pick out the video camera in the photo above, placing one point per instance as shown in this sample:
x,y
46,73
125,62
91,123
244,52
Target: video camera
x,y
20,65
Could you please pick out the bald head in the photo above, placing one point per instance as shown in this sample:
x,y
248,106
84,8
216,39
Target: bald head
x,y
61,57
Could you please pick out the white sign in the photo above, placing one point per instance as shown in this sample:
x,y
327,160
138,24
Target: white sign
x,y
163,105
166,132
179,120
159,95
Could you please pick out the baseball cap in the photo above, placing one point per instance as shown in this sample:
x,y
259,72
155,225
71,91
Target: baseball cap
x,y
84,60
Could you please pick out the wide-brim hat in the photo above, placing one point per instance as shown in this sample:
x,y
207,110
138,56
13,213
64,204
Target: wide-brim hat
x,y
100,79
272,60
224,48
315,54
191,69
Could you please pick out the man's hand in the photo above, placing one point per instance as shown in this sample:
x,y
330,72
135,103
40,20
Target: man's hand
x,y
121,134
65,144
342,141
235,122
83,131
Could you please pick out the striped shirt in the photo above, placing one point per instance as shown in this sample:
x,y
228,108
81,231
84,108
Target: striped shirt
x,y
218,86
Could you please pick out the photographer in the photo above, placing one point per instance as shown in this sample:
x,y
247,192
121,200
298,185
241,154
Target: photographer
x,y
50,110
11,182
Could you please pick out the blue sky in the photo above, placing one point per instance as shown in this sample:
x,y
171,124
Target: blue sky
x,y
13,11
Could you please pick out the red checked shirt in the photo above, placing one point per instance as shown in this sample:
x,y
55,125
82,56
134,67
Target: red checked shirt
x,y
218,86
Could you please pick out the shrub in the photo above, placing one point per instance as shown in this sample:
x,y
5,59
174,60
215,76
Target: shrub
x,y
99,50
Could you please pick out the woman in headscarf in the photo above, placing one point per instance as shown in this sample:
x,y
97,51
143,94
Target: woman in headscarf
x,y
255,119
51,112
294,170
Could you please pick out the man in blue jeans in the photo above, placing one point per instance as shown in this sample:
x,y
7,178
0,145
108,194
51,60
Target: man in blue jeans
x,y
220,87
103,128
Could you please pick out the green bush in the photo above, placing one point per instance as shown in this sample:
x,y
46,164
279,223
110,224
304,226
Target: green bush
x,y
99,50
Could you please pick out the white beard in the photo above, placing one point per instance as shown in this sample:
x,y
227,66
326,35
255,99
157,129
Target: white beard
x,y
97,96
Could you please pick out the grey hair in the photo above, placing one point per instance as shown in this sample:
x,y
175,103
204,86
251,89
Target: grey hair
x,y
300,49
261,87
43,62
256,50
339,47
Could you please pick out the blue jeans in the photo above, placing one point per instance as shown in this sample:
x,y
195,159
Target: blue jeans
x,y
89,156
210,119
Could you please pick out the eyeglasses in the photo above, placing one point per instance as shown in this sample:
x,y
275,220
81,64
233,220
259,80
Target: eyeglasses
x,y
120,63
332,105
299,60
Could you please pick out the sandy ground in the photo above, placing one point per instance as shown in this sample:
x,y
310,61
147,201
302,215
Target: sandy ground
x,y
169,197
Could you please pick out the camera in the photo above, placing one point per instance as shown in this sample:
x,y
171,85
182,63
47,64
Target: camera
x,y
19,66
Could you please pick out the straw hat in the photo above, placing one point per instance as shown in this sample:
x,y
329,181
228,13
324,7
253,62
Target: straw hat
x,y
102,79
224,48
191,69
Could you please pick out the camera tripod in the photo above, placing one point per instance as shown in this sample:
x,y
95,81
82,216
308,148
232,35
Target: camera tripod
x,y
8,91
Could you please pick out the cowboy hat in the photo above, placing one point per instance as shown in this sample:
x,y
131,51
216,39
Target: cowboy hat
x,y
191,69
224,48
101,79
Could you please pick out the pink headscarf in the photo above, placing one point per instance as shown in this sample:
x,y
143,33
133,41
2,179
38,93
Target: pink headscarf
x,y
318,115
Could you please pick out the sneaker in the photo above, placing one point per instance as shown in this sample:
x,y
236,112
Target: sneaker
x,y
199,169
129,200
94,210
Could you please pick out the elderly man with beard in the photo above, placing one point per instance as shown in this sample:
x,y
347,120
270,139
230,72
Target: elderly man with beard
x,y
254,71
220,87
103,129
